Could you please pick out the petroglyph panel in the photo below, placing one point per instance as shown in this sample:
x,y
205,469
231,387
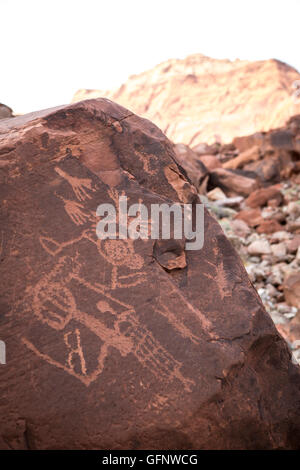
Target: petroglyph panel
x,y
107,346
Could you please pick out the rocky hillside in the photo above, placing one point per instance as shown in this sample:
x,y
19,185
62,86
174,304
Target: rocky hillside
x,y
252,187
199,99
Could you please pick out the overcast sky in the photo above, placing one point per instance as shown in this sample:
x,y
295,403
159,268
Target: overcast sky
x,y
50,48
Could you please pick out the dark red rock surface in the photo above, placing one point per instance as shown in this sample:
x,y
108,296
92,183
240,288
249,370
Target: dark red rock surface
x,y
106,346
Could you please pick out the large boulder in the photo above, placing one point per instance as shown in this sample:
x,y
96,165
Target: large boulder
x,y
120,343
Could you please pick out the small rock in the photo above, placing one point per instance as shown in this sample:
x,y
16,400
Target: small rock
x,y
210,161
277,318
294,244
268,226
272,291
240,228
274,213
276,276
289,315
254,259
279,249
235,241
284,308
260,197
291,289
245,142
216,194
252,217
296,357
201,149
259,247
233,183
222,212
296,344
247,156
294,226
279,236
230,201
293,208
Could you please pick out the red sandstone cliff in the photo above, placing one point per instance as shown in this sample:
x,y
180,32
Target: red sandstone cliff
x,y
199,99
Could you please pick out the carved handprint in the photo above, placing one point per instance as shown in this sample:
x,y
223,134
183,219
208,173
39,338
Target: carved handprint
x,y
78,184
75,211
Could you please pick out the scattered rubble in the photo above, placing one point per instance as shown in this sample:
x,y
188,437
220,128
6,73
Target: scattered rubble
x,y
259,210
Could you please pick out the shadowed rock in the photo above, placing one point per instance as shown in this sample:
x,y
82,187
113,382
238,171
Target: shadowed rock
x,y
191,163
5,111
117,343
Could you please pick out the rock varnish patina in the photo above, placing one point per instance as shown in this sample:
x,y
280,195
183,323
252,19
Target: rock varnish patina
x,y
119,343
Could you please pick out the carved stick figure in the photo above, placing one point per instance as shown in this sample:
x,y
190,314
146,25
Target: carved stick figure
x,y
54,304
